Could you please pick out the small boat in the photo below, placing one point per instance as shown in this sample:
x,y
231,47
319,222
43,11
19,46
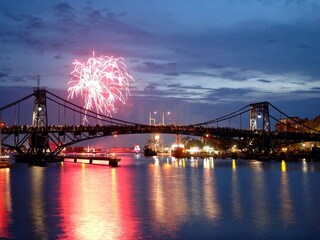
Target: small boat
x,y
136,149
4,162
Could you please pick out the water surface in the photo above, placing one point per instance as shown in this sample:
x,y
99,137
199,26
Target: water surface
x,y
161,198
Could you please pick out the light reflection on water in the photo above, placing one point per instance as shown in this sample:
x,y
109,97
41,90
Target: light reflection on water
x,y
89,203
161,198
5,203
37,202
286,203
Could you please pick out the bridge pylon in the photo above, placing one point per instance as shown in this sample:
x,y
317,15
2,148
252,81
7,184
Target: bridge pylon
x,y
258,110
39,140
261,110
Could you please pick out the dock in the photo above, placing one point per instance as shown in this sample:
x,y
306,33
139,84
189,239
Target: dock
x,y
112,161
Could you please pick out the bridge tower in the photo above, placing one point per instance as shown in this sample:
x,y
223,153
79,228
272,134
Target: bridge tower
x,y
258,110
39,117
261,110
39,141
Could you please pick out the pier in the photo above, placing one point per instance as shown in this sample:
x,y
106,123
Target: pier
x,y
112,161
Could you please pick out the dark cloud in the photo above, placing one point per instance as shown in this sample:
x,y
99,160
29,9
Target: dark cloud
x,y
34,22
151,90
314,91
33,42
58,57
215,66
164,91
233,75
194,87
152,65
264,81
112,15
173,74
63,9
158,68
3,75
10,79
232,94
9,14
115,26
56,46
172,64
199,74
19,79
271,41
8,70
303,46
174,85
298,83
94,16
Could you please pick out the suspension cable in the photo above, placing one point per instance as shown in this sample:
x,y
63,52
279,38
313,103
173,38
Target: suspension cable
x,y
288,125
16,102
292,119
228,116
92,112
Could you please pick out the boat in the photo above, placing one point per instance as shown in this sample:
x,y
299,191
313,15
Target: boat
x,y
179,153
149,152
4,162
137,149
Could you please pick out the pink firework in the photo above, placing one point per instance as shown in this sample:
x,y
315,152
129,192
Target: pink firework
x,y
101,81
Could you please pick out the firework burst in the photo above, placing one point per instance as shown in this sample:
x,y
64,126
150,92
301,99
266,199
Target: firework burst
x,y
102,81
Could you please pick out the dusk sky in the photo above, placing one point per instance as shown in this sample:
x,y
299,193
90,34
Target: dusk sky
x,y
197,59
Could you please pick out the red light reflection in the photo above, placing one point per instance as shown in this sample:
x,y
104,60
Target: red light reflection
x,y
95,209
5,203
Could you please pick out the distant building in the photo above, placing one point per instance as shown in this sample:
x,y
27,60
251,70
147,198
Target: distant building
x,y
289,124
295,124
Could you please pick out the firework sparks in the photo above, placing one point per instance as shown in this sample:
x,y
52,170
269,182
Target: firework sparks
x,y
101,81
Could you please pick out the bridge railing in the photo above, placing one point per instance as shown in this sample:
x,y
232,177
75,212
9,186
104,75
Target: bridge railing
x,y
169,129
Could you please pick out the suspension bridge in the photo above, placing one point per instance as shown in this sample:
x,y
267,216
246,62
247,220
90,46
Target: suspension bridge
x,y
57,123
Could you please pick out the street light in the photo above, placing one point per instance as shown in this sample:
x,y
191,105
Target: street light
x,y
152,120
161,118
169,116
